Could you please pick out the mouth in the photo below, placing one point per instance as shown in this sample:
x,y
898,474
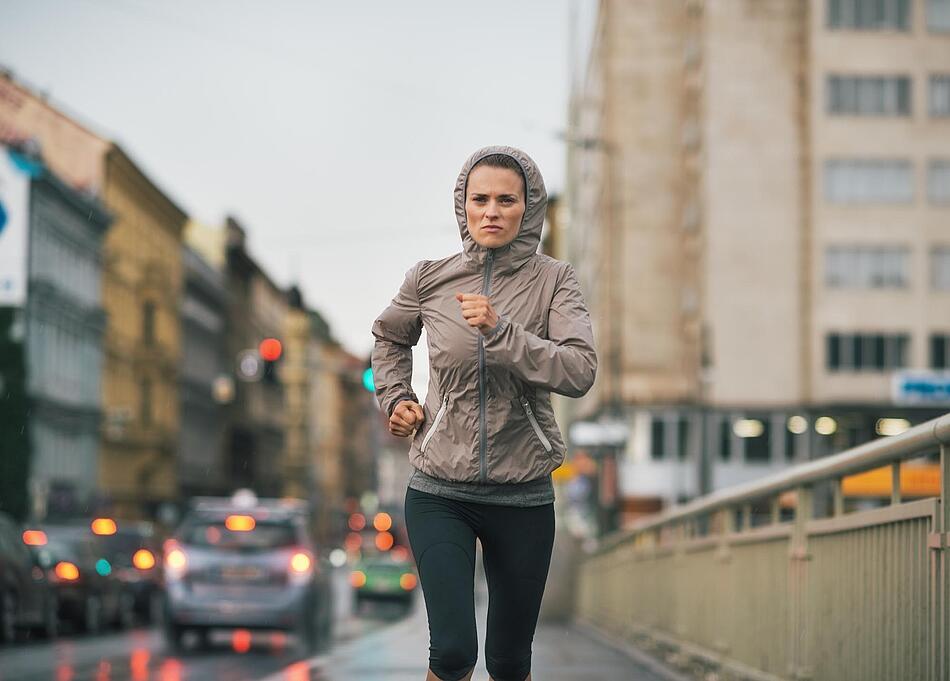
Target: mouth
x,y
494,229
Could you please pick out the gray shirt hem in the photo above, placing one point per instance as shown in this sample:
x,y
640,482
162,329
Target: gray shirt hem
x,y
532,493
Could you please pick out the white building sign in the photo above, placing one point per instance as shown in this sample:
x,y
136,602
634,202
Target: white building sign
x,y
14,215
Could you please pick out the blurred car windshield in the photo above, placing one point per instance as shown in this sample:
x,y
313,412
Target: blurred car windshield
x,y
67,539
264,535
124,542
122,545
54,551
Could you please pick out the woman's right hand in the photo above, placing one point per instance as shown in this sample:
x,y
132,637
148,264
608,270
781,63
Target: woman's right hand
x,y
406,418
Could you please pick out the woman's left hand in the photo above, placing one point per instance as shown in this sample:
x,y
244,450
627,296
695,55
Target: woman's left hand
x,y
478,311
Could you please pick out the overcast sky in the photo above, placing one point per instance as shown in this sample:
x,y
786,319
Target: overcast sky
x,y
333,130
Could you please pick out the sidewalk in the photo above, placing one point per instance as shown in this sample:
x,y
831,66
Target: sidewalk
x,y
399,653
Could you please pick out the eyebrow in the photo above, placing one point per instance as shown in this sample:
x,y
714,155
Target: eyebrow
x,y
480,194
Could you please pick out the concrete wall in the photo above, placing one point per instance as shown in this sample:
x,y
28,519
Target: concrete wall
x,y
753,191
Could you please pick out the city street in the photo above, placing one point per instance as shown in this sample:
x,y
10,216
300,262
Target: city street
x,y
140,655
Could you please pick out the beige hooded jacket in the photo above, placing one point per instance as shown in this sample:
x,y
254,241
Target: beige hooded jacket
x,y
488,415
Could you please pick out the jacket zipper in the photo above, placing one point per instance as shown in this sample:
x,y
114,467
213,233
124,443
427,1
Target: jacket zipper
x,y
482,425
534,424
435,424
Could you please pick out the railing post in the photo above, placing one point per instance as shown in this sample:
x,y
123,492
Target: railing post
x,y
680,627
723,640
838,497
895,483
798,584
940,576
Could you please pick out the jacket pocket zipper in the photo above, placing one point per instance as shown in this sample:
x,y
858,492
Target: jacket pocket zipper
x,y
534,424
435,424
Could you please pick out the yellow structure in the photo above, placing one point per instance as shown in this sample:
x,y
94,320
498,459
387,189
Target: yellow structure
x,y
141,293
141,288
209,241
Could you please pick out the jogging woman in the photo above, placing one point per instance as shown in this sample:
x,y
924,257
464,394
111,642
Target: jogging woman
x,y
506,327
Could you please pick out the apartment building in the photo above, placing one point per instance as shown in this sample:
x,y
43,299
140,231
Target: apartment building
x,y
140,294
759,211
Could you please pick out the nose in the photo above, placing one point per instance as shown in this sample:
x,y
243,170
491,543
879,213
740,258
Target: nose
x,y
492,210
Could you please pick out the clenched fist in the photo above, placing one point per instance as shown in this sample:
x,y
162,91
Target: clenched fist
x,y
406,418
478,311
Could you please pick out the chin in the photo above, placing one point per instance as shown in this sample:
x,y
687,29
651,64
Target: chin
x,y
495,241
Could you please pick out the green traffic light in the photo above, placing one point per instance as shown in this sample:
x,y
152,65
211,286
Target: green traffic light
x,y
368,381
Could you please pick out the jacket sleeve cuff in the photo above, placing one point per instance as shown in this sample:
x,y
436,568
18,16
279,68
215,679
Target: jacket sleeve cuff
x,y
499,328
401,398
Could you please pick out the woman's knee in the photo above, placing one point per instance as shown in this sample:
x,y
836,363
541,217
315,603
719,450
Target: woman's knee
x,y
508,668
453,660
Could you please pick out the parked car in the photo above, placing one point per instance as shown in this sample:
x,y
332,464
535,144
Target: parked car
x,y
383,577
26,597
89,594
247,563
136,556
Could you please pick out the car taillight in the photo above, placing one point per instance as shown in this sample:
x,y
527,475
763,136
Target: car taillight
x,y
301,567
103,526
34,538
66,571
240,523
143,559
176,563
408,581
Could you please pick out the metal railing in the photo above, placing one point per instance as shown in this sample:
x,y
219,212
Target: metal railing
x,y
713,587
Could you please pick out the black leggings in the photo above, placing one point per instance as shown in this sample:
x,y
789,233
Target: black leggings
x,y
516,547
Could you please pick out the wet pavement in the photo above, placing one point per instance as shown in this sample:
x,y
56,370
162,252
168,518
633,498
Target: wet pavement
x,y
140,654
398,652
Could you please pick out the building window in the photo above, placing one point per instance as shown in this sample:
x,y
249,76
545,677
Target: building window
x,y
869,95
683,435
725,439
866,352
866,267
145,406
940,268
940,351
757,447
148,322
657,438
938,181
833,352
791,440
940,95
938,15
872,15
852,181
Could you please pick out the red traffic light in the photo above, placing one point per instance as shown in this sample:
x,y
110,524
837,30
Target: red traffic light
x,y
270,349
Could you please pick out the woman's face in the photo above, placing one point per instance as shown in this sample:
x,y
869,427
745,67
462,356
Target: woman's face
x,y
494,205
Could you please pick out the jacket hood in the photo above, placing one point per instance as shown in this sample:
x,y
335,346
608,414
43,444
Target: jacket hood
x,y
513,255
